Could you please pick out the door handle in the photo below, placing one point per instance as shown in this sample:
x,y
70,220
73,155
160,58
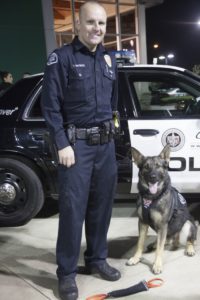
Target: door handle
x,y
37,135
145,132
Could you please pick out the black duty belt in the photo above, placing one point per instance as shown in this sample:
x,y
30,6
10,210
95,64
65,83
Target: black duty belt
x,y
83,133
93,135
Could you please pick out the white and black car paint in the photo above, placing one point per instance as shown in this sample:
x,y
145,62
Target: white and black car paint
x,y
151,116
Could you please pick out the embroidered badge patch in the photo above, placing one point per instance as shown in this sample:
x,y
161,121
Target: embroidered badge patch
x,y
181,199
53,59
147,203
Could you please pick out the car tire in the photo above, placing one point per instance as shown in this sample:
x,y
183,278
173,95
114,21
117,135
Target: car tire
x,y
21,192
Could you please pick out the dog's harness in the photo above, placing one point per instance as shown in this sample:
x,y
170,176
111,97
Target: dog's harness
x,y
178,213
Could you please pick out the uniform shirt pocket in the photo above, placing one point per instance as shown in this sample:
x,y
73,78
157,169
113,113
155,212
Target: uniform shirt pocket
x,y
79,81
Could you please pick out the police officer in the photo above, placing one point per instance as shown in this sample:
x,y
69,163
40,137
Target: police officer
x,y
79,97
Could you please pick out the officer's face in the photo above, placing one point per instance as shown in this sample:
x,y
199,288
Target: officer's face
x,y
92,25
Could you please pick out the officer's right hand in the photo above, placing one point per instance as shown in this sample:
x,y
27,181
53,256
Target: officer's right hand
x,y
66,156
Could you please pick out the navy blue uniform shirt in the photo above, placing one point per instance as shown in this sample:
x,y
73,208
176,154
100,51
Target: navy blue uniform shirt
x,y
79,88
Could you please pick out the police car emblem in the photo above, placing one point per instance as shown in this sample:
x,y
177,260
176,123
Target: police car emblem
x,y
53,59
108,60
175,138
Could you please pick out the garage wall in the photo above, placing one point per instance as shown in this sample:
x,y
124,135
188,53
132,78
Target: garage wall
x,y
22,41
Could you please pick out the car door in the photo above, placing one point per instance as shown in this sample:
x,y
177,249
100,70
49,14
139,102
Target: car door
x,y
34,137
167,110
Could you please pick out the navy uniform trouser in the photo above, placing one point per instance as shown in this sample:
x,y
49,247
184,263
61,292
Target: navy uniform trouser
x,y
86,192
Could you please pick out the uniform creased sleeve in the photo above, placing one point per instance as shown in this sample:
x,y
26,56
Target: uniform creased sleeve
x,y
114,99
55,81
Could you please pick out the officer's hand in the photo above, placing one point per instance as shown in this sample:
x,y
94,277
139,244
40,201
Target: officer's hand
x,y
66,156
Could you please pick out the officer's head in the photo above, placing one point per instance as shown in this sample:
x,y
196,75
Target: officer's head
x,y
91,24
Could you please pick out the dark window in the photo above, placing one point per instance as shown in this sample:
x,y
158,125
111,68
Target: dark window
x,y
128,22
18,93
35,110
168,97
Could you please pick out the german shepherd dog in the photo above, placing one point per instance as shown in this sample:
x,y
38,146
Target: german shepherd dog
x,y
161,207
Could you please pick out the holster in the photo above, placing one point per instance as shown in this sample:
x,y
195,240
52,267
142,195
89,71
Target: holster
x,y
105,133
71,134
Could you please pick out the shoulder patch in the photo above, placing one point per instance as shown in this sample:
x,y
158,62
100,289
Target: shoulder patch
x,y
53,59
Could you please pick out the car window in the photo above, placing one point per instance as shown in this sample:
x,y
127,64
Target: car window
x,y
165,98
33,110
17,94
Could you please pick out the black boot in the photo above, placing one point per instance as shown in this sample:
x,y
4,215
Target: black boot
x,y
67,289
104,270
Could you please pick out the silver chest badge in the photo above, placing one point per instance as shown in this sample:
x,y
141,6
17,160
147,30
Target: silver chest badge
x,y
108,60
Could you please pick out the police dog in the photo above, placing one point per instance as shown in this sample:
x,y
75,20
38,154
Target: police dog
x,y
161,207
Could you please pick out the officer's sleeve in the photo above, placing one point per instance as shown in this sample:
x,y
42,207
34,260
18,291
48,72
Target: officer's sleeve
x,y
54,84
114,99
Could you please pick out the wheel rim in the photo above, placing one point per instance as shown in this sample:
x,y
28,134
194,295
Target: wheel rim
x,y
13,193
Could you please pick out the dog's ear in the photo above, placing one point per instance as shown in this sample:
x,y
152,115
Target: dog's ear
x,y
165,153
136,156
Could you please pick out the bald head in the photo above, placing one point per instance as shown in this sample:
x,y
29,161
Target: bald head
x,y
91,25
90,4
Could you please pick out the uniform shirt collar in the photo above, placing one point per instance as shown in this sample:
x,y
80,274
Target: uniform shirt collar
x,y
77,45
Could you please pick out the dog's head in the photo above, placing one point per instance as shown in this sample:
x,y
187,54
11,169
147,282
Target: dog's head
x,y
153,171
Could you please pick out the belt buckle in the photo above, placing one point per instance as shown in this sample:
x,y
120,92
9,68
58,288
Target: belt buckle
x,y
94,130
93,136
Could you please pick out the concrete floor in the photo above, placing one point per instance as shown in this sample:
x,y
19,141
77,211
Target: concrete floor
x,y
27,263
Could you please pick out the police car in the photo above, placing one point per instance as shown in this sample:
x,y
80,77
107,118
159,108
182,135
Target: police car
x,y
151,116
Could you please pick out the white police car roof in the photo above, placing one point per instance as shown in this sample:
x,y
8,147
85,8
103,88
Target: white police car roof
x,y
153,66
135,66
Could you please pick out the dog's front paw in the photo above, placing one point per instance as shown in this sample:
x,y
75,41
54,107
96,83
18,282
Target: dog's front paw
x,y
190,250
133,261
157,268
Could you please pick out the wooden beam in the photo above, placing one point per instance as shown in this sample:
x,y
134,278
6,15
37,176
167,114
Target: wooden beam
x,y
65,4
58,15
